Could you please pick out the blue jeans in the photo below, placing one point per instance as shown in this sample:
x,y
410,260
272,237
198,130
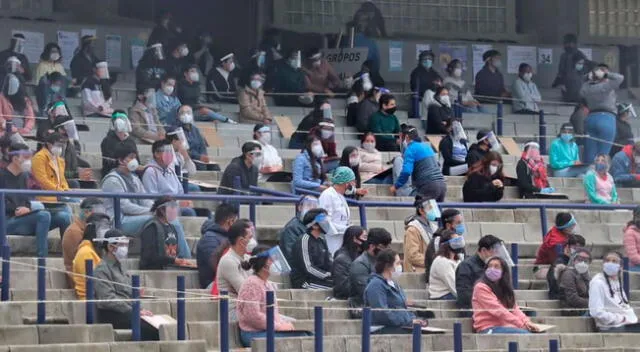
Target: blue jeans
x,y
571,171
39,223
247,336
447,297
635,269
504,330
211,116
132,225
187,212
602,126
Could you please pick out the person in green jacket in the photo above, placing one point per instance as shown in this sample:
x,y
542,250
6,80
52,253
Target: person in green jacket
x,y
598,183
385,125
564,155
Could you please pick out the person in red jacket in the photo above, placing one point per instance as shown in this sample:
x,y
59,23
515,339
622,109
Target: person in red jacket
x,y
566,225
631,241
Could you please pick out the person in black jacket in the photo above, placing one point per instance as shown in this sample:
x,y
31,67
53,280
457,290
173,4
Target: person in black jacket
x,y
489,80
485,180
352,246
624,133
321,109
478,150
367,107
152,67
471,270
453,149
84,60
159,239
164,31
16,49
222,80
439,113
423,76
374,76
189,94
214,235
574,242
119,134
178,58
363,266
532,172
242,172
311,264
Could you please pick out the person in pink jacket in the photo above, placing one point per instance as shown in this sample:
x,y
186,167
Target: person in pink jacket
x,y
495,310
370,157
15,107
631,241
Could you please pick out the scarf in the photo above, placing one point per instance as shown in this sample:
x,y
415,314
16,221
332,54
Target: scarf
x,y
538,171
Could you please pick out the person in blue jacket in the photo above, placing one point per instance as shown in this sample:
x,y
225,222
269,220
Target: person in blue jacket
x,y
384,292
625,166
421,164
307,166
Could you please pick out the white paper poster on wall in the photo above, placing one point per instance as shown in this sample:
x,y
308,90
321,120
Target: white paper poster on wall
x,y
33,44
395,56
588,52
88,31
114,50
137,50
478,50
68,42
517,55
545,56
420,48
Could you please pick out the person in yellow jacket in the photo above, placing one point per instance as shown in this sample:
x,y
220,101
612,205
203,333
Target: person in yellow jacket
x,y
419,229
97,226
47,166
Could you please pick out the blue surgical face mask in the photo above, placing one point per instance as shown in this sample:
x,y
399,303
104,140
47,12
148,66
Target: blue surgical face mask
x,y
427,63
432,214
460,229
55,89
600,167
579,67
567,137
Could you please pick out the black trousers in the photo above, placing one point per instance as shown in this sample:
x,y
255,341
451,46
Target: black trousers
x,y
123,321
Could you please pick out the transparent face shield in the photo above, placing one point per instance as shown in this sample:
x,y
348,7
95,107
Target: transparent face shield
x,y
102,70
16,138
431,209
457,131
493,140
115,241
305,204
279,264
12,64
532,151
179,132
102,227
71,129
121,124
17,45
499,250
157,50
324,222
58,109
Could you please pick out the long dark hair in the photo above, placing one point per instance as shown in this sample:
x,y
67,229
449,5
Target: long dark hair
x,y
636,218
606,277
47,51
317,173
445,249
483,166
256,262
351,233
19,100
503,289
344,161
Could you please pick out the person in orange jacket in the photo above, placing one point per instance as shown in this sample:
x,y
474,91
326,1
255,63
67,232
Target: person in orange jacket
x,y
546,255
48,166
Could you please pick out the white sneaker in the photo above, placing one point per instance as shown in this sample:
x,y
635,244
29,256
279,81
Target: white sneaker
x,y
232,122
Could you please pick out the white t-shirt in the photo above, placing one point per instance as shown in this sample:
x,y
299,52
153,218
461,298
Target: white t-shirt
x,y
336,206
442,277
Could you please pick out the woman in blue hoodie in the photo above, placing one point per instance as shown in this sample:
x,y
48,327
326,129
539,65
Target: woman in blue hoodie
x,y
383,292
564,155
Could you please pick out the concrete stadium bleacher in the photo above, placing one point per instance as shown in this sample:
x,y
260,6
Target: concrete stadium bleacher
x,y
67,331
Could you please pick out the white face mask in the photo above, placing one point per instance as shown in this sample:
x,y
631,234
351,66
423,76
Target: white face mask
x,y
26,165
599,74
368,146
445,100
186,118
493,169
132,165
353,162
56,151
168,90
326,134
251,245
397,272
54,57
121,253
194,76
14,84
457,72
527,76
184,51
265,138
317,150
256,84
581,267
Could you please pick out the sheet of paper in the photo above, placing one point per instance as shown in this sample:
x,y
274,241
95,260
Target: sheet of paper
x,y
588,52
114,50
158,320
544,327
521,54
88,31
33,44
420,48
136,54
545,56
449,52
478,50
395,56
68,42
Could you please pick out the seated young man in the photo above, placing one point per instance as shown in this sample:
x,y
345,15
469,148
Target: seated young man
x,y
25,217
189,93
96,92
134,212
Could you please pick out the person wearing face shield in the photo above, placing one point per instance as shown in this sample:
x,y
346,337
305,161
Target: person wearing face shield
x,y
182,161
334,202
485,142
453,149
242,171
565,226
485,180
574,284
118,134
625,166
145,123
423,77
489,80
178,59
531,171
311,264
295,228
624,132
442,274
97,225
96,92
134,212
84,60
152,66
253,106
573,244
525,92
74,234
419,230
159,245
271,161
599,184
50,61
113,287
222,81
159,177
189,94
599,91
48,167
197,144
16,49
16,107
439,113
320,78
288,77
321,112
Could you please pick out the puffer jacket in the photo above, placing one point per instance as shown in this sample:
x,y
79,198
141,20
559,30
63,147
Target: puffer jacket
x,y
253,106
213,236
288,236
341,271
631,242
418,233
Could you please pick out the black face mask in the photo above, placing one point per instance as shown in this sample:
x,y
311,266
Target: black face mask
x,y
390,111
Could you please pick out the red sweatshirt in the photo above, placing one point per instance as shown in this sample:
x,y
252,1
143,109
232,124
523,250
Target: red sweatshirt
x,y
547,251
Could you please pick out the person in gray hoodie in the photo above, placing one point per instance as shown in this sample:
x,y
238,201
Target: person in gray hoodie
x,y
134,212
600,94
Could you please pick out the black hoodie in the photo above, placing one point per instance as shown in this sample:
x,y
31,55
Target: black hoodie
x,y
475,154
